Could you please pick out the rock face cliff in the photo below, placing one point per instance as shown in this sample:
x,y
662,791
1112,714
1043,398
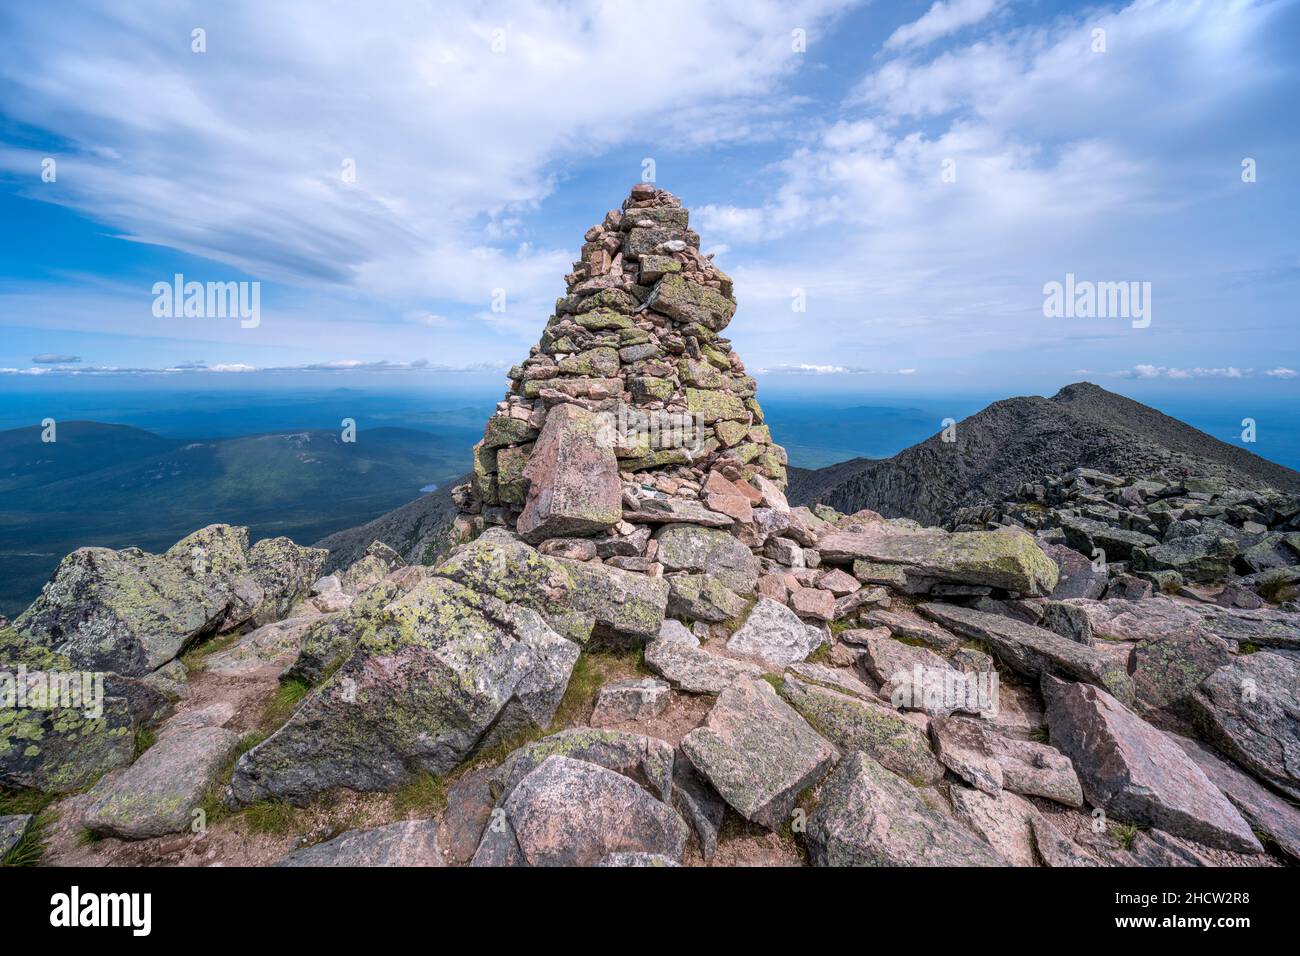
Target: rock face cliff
x,y
1024,439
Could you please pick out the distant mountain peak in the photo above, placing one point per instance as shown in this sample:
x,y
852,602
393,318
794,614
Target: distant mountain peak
x,y
1029,438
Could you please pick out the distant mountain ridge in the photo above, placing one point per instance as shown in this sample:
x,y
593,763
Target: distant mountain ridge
x,y
1024,439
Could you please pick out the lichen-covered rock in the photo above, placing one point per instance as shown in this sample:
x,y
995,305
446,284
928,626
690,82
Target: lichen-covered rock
x,y
1251,710
158,793
569,812
634,699
694,669
688,302
1198,557
1032,650
573,487
329,641
1134,771
989,761
623,604
867,816
856,723
758,753
1006,558
702,597
775,635
131,612
12,830
688,548
1088,536
405,843
47,746
646,760
444,670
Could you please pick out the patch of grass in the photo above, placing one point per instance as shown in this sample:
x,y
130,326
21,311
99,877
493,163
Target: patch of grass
x,y
776,680
248,742
585,682
87,837
820,656
18,802
283,703
840,625
1246,648
194,658
593,670
1038,735
29,850
424,797
144,739
271,816
491,756
1124,834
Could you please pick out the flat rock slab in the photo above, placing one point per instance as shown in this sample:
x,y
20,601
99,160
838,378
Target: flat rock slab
x,y
684,547
569,812
1033,651
990,762
1004,820
635,699
675,511
774,634
758,753
271,644
841,679
1006,558
1251,711
647,761
854,723
1079,578
913,627
916,678
1135,772
1266,811
158,793
574,487
1163,616
407,843
694,669
867,816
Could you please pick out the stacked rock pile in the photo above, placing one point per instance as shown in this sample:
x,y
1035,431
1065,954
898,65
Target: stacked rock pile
x,y
632,411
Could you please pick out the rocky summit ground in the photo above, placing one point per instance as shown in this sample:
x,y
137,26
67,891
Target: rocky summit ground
x,y
625,647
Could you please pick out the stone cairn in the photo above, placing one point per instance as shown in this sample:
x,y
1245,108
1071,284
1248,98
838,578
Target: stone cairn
x,y
632,410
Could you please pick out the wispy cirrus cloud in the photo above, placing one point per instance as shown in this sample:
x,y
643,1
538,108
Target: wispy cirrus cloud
x,y
943,18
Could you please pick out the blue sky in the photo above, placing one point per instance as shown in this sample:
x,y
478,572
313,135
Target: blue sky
x,y
818,170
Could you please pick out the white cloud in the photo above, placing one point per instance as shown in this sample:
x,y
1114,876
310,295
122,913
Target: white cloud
x,y
238,154
1282,373
340,366
1160,371
943,18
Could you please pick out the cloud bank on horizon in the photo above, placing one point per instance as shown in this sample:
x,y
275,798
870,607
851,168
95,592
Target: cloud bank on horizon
x,y
891,185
